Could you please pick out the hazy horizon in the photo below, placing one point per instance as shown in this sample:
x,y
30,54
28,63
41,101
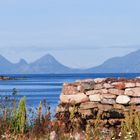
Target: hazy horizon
x,y
77,33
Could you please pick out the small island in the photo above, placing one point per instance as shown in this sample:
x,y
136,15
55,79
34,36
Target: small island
x,y
7,78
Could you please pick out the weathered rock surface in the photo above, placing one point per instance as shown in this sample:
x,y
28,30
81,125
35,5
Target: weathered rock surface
x,y
74,99
69,89
130,85
103,107
99,80
108,97
119,106
107,85
137,84
123,99
135,101
95,98
107,101
133,92
101,91
118,85
115,91
98,86
88,105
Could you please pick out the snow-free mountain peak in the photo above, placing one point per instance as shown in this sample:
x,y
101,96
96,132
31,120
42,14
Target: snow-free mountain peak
x,y
22,61
129,63
46,59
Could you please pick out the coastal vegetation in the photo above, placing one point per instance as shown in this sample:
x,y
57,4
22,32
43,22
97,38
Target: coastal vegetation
x,y
18,122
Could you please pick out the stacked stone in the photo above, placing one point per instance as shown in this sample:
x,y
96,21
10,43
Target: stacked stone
x,y
110,97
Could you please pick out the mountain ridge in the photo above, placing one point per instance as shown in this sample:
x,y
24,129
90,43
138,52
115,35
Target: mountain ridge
x,y
129,63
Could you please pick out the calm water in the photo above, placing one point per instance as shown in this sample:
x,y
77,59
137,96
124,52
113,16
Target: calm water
x,y
46,86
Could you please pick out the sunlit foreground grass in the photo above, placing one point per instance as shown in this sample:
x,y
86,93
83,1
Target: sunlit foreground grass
x,y
19,123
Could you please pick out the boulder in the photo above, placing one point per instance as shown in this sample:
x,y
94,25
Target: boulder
x,y
85,80
119,106
98,86
107,101
87,86
108,96
133,92
134,101
118,85
123,99
137,108
88,105
115,91
99,80
74,98
104,107
137,84
130,85
107,85
95,98
91,92
69,89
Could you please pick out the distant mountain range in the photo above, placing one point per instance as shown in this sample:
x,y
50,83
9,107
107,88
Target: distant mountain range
x,y
45,64
129,63
48,64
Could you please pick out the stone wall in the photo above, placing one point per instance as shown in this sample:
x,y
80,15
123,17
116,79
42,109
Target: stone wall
x,y
108,97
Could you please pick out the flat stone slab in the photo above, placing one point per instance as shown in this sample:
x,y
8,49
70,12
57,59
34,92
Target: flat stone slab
x,y
107,85
107,101
116,91
135,92
118,85
130,85
88,105
134,101
98,86
123,99
91,92
104,107
99,80
95,98
108,96
75,98
118,106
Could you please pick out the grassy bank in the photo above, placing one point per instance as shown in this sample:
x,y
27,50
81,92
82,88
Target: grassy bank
x,y
19,123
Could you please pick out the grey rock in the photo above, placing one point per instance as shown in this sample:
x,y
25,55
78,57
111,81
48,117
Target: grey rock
x,y
108,101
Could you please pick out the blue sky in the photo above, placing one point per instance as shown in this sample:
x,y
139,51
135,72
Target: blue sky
x,y
79,33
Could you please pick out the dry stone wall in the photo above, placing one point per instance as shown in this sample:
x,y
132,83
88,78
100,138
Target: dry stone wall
x,y
109,97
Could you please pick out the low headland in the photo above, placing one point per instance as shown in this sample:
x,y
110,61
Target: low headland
x,y
6,78
2,77
99,109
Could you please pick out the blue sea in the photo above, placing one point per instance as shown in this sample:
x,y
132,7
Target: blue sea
x,y
37,87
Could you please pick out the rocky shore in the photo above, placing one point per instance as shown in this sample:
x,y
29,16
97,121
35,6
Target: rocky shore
x,y
109,98
6,78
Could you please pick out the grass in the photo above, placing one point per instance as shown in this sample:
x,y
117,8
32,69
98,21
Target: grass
x,y
19,123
